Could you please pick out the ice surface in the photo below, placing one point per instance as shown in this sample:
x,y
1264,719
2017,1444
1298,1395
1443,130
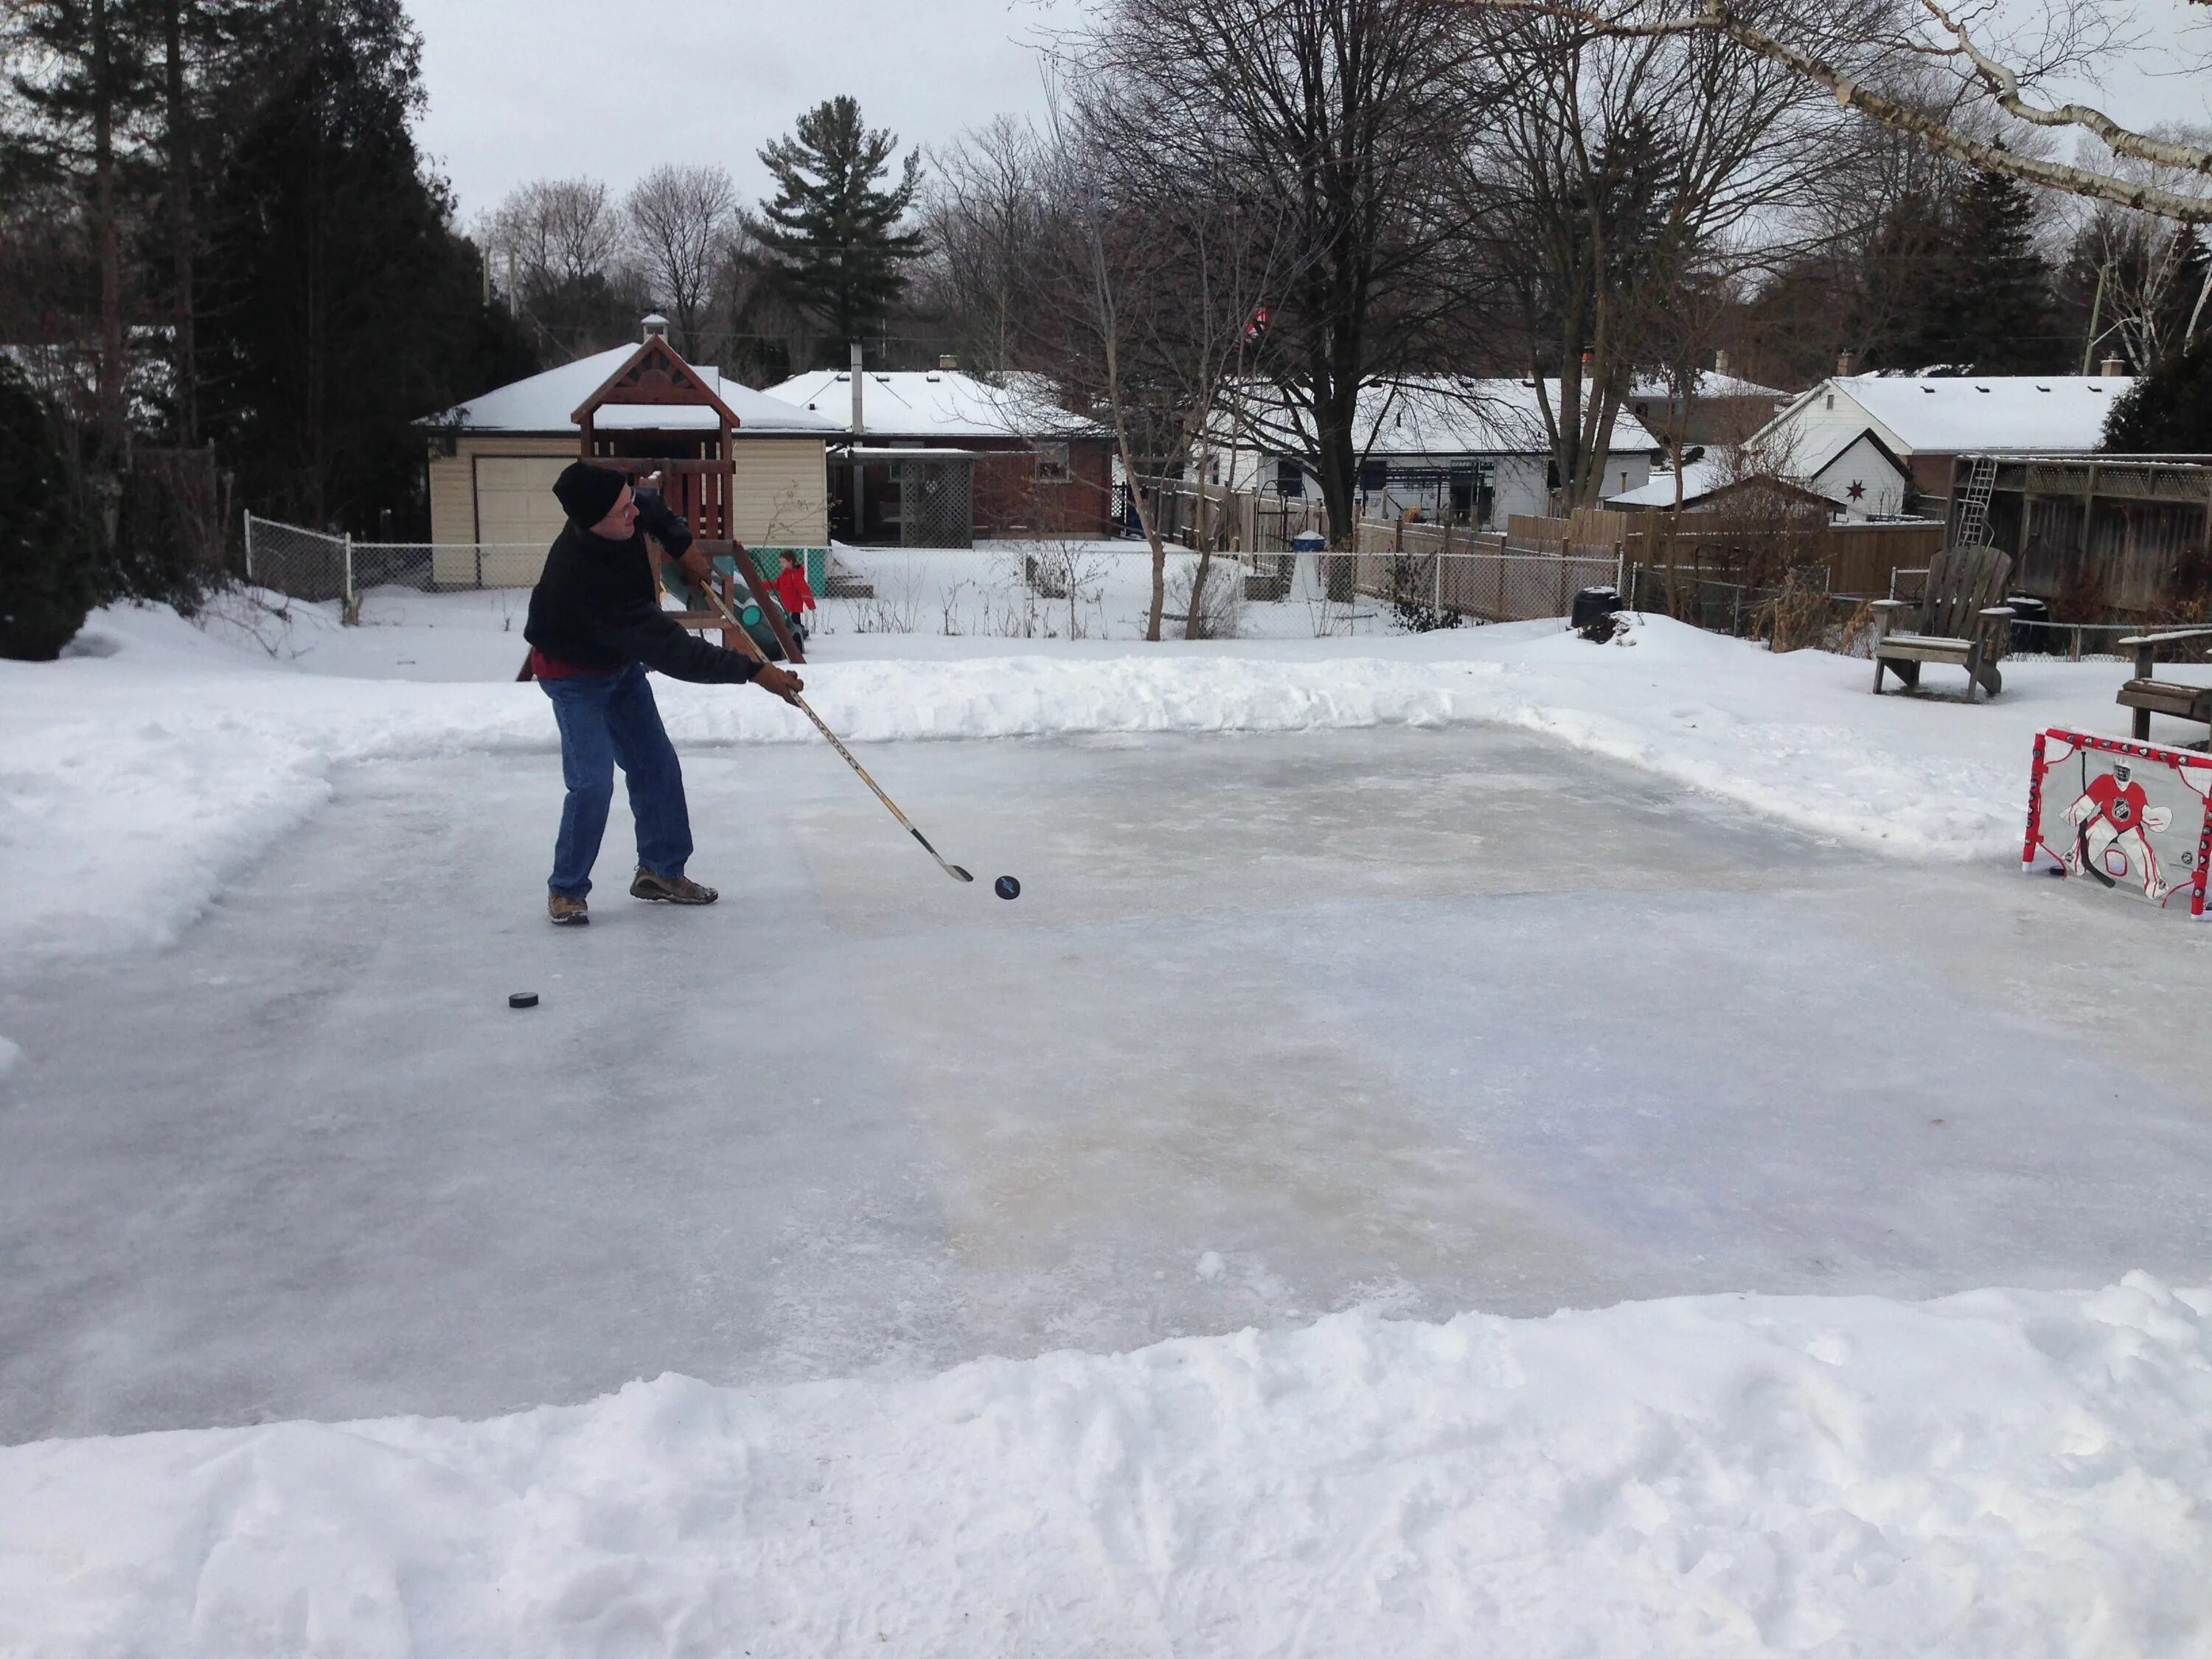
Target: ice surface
x,y
1429,1020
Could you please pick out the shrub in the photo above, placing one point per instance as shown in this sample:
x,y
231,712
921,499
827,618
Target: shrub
x,y
49,576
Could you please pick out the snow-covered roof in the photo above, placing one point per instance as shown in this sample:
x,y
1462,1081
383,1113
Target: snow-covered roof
x,y
1711,383
1703,479
1699,480
543,403
1953,415
936,404
1445,415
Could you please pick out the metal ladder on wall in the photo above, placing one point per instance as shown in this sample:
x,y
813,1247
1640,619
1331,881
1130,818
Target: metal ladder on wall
x,y
1974,506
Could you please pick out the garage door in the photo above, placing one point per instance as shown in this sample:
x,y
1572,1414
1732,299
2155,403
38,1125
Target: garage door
x,y
515,505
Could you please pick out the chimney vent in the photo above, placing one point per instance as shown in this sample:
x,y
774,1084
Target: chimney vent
x,y
1845,363
2112,368
948,362
656,327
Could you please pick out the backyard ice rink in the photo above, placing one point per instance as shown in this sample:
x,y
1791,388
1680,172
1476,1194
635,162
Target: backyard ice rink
x,y
1430,1020
1358,1015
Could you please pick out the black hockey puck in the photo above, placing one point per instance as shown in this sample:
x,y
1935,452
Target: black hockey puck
x,y
523,999
1007,887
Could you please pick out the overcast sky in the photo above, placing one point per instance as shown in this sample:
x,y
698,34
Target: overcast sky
x,y
523,89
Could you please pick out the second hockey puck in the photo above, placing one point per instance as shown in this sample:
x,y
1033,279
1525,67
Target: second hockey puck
x,y
1007,887
523,999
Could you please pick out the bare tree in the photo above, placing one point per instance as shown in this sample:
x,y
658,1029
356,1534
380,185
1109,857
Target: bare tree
x,y
560,245
558,230
1617,172
1142,297
984,224
1340,115
2143,262
680,218
1861,50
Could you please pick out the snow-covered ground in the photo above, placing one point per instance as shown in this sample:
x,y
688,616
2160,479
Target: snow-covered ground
x,y
1357,983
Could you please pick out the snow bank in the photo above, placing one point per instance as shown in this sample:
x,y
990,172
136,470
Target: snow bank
x,y
1998,1473
136,777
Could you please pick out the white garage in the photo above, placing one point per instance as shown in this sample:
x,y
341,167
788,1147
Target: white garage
x,y
493,460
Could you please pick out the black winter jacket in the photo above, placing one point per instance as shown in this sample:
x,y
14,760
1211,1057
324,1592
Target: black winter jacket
x,y
597,608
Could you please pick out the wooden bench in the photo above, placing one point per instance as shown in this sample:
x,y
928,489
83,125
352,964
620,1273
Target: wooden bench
x,y
1958,622
2147,695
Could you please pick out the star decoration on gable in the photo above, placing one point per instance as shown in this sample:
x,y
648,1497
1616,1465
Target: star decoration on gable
x,y
1856,490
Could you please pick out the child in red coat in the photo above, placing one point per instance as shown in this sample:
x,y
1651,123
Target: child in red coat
x,y
793,593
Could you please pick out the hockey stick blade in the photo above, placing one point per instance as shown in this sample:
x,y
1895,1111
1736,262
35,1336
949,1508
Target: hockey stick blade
x,y
2081,846
952,869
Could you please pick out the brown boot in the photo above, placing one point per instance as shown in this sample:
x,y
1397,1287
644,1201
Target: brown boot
x,y
670,889
567,912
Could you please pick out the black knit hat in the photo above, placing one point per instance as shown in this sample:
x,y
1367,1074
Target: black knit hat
x,y
587,493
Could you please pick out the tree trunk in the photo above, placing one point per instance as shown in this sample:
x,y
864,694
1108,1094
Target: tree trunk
x,y
113,407
182,231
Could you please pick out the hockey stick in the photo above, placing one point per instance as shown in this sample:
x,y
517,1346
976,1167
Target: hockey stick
x,y
804,708
2081,851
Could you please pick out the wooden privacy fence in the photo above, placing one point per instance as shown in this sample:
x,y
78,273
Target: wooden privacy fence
x,y
1858,557
1195,515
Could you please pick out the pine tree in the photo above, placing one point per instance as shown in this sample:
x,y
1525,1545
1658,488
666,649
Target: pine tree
x,y
2169,411
830,238
1991,309
338,306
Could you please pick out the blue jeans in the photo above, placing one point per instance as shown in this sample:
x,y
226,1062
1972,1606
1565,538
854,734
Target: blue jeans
x,y
606,721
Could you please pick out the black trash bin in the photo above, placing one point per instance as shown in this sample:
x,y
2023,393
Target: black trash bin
x,y
2030,623
1591,603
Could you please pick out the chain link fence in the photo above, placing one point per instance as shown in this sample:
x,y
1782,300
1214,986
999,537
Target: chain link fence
x,y
1439,574
300,564
314,565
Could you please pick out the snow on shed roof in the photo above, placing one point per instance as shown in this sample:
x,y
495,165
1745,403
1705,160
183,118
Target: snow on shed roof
x,y
1446,414
1711,383
1699,480
543,403
1946,414
936,404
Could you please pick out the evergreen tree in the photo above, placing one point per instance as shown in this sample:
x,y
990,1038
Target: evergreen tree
x,y
337,305
1991,310
829,239
2169,411
49,560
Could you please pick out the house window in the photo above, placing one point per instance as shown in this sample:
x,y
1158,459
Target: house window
x,y
1052,463
1290,478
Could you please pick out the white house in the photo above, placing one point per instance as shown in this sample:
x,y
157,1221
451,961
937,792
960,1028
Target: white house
x,y
1926,422
1861,480
1872,443
1462,449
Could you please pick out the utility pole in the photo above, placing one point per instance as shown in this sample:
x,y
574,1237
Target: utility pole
x,y
2096,311
859,426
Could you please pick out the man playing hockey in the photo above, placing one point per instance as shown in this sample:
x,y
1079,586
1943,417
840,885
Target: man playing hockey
x,y
595,626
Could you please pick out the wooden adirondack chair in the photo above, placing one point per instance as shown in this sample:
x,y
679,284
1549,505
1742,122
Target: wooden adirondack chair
x,y
2147,695
1958,622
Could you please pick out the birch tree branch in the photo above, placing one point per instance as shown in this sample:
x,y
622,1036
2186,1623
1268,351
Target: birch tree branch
x,y
2002,82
